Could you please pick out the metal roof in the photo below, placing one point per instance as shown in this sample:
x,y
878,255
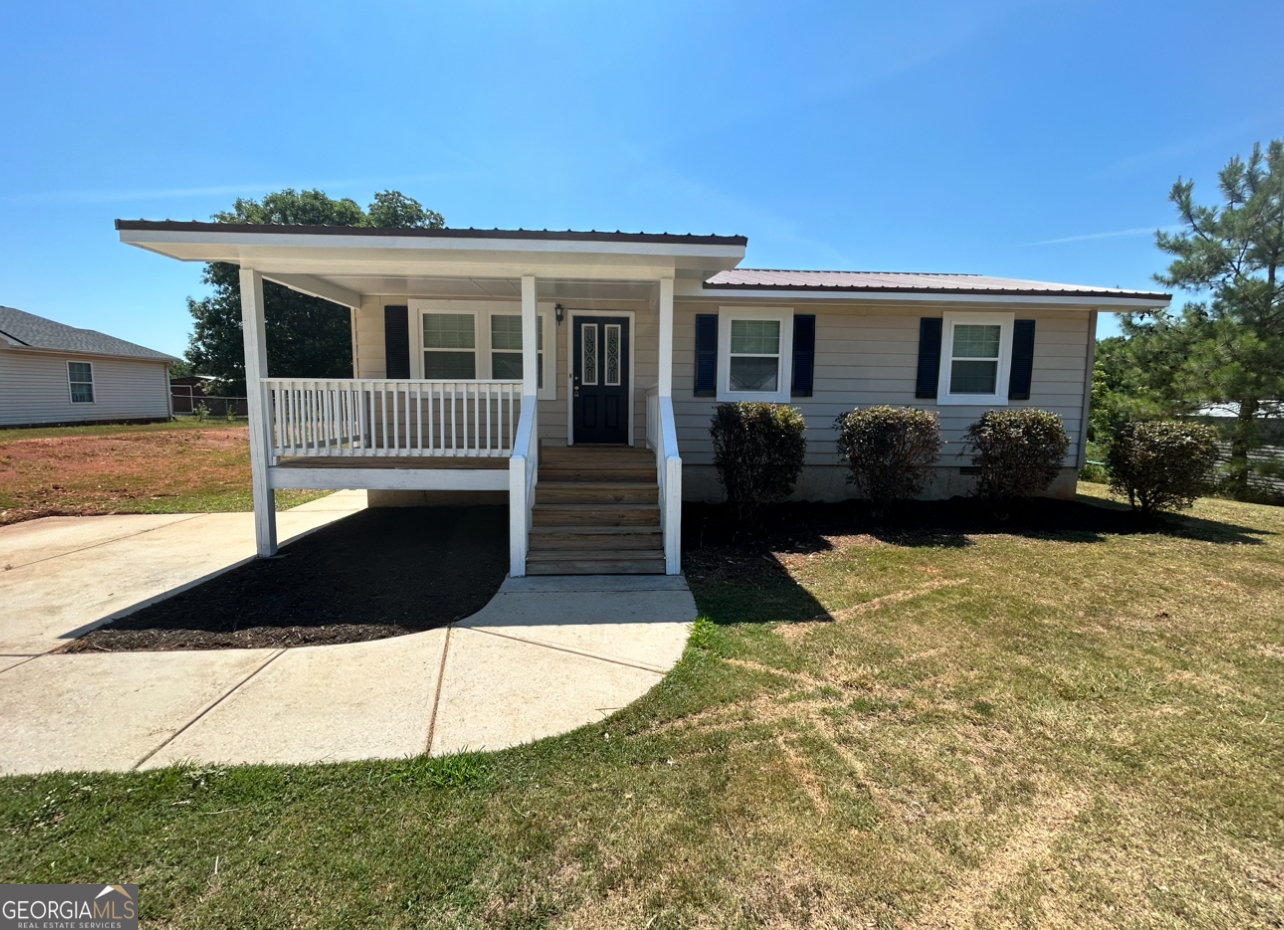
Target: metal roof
x,y
750,279
37,332
592,235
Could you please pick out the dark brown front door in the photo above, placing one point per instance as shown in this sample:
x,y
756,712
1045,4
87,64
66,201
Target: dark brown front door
x,y
600,382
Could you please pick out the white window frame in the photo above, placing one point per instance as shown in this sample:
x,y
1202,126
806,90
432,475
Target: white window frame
x,y
953,318
93,382
481,312
784,374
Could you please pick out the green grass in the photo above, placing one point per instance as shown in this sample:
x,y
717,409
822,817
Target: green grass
x,y
1078,730
115,429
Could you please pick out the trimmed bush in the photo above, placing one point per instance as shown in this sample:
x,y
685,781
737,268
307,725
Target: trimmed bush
x,y
1161,465
1019,451
758,450
889,450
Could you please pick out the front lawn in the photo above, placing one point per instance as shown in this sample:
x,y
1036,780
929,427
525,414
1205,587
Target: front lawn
x,y
985,727
183,466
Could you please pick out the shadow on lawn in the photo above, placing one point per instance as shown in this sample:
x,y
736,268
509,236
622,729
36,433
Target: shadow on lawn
x,y
737,570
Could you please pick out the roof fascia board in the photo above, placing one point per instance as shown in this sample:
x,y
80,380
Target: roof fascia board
x,y
62,353
158,238
794,295
316,287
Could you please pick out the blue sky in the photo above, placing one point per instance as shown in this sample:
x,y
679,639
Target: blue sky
x,y
1033,140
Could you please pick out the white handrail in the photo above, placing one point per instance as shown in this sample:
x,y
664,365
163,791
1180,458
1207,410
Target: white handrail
x,y
523,475
662,436
385,417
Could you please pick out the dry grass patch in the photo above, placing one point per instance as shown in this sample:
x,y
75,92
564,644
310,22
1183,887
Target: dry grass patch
x,y
161,468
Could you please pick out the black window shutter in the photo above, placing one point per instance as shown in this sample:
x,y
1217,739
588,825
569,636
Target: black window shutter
x,y
706,355
929,356
1022,360
804,354
396,342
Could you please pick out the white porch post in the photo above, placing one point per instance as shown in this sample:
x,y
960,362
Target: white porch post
x,y
665,386
530,348
252,326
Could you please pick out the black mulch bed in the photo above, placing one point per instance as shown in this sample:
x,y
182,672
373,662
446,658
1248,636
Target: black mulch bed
x,y
715,546
379,573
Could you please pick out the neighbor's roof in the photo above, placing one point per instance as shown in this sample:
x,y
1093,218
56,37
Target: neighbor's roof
x,y
570,235
751,279
37,332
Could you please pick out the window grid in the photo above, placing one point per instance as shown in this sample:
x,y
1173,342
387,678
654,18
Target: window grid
x,y
974,358
755,355
80,377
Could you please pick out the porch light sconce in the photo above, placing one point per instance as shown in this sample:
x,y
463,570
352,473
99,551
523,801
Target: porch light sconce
x,y
561,313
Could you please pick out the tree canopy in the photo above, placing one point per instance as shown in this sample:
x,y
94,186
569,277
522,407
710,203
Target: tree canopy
x,y
306,336
1226,346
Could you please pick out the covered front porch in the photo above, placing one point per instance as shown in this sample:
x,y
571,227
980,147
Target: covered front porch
x,y
538,366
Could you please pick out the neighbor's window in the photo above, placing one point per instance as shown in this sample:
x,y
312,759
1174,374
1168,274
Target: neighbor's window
x,y
80,375
450,346
506,347
976,352
755,355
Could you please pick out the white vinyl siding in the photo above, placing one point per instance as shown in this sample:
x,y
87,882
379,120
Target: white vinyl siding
x,y
868,355
35,387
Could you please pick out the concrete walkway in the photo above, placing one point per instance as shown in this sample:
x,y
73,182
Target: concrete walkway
x,y
544,656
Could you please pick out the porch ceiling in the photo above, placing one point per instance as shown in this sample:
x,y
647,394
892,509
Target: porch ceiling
x,y
505,288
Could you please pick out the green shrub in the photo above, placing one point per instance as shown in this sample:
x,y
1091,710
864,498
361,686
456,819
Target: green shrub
x,y
1019,452
201,412
758,450
1094,472
1161,465
889,450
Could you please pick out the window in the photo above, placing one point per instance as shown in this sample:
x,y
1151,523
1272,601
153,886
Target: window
x,y
468,340
80,377
755,355
450,346
976,352
754,348
506,347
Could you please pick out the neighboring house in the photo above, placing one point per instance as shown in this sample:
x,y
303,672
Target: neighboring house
x,y
53,373
575,374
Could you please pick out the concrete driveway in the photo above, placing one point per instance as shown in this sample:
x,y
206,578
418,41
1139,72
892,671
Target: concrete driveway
x,y
62,576
544,656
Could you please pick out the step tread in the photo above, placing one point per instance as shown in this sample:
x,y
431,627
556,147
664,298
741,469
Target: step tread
x,y
594,555
578,507
595,568
559,484
582,529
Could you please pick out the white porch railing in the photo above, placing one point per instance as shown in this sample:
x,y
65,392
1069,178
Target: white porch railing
x,y
392,418
662,436
523,474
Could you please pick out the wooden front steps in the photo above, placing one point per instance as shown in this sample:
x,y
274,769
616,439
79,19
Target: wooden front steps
x,y
596,512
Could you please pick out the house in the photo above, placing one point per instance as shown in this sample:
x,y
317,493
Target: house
x,y
574,374
54,373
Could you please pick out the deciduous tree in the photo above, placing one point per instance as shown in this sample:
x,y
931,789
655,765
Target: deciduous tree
x,y
306,336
